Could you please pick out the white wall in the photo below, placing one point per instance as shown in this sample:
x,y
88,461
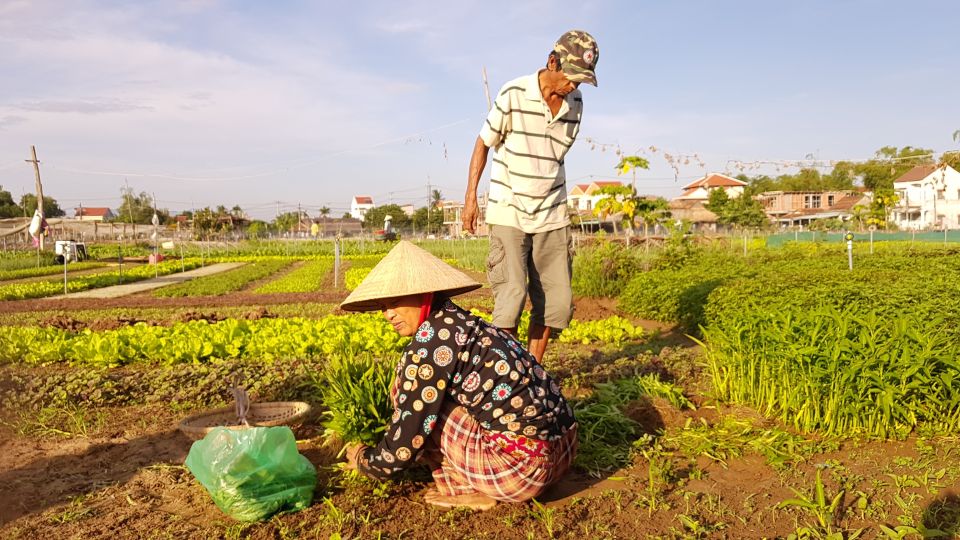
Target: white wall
x,y
923,194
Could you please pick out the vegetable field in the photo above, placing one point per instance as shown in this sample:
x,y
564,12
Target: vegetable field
x,y
719,394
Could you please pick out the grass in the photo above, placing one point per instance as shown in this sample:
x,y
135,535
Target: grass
x,y
59,421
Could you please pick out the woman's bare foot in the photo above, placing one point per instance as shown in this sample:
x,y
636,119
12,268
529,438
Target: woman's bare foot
x,y
474,501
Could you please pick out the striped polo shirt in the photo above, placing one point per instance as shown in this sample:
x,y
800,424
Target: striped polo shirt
x,y
527,179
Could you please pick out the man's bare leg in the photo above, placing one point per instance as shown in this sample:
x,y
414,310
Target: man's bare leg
x,y
539,337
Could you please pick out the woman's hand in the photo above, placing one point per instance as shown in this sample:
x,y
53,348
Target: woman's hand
x,y
353,453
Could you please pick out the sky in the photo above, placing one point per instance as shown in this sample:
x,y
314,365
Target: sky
x,y
271,105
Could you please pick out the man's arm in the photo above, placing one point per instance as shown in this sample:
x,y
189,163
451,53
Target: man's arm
x,y
477,163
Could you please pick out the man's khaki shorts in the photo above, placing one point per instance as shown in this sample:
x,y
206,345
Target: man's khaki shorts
x,y
540,265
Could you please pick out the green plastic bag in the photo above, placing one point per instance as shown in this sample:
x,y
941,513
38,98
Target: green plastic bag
x,y
253,473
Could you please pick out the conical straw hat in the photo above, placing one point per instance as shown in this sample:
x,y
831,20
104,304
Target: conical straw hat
x,y
407,269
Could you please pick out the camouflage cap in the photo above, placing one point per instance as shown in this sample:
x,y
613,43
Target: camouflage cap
x,y
578,56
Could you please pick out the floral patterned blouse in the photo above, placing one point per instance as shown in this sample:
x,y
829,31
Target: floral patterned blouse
x,y
456,356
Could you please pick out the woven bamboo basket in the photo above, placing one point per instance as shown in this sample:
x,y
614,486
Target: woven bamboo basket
x,y
271,413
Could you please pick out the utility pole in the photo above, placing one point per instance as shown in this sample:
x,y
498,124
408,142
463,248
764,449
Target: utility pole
x,y
36,169
155,220
429,201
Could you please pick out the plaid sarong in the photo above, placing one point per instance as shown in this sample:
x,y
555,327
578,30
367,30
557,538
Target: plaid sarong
x,y
471,459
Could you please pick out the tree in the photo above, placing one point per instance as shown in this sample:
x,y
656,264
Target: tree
x,y
51,209
324,211
8,208
286,222
612,203
236,211
889,163
373,219
742,211
419,220
257,229
631,163
138,208
883,201
858,216
650,212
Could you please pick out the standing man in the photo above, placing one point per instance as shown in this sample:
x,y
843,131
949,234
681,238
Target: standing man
x,y
532,125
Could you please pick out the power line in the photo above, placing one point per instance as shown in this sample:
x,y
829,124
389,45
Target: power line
x,y
293,164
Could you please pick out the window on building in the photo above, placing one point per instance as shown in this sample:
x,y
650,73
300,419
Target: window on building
x,y
829,201
941,194
811,201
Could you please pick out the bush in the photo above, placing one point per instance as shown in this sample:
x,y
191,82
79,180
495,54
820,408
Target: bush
x,y
604,269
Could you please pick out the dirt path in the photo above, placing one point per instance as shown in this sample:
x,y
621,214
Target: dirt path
x,y
150,284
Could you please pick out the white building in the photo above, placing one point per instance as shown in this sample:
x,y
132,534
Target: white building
x,y
359,206
584,197
700,189
929,198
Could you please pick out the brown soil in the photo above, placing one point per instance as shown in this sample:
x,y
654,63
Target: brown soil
x,y
126,479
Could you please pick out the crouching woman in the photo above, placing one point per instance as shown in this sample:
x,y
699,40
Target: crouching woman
x,y
469,400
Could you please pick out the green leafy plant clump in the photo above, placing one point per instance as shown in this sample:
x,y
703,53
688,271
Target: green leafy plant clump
x,y
839,372
355,390
607,435
23,273
604,269
614,330
200,341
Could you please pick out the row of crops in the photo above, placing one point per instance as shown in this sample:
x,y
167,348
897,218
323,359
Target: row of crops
x,y
263,339
313,262
797,335
40,289
307,276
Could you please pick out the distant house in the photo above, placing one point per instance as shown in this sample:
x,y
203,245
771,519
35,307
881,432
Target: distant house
x,y
694,211
791,208
691,204
584,197
359,206
453,210
328,226
929,198
699,190
93,214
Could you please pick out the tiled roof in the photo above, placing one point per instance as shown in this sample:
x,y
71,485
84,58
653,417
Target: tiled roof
x,y
92,211
715,180
363,200
847,202
917,173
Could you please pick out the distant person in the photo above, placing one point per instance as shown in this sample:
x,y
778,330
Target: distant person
x,y
531,126
468,400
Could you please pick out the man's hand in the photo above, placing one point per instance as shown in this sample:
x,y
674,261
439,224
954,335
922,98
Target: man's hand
x,y
469,216
353,453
